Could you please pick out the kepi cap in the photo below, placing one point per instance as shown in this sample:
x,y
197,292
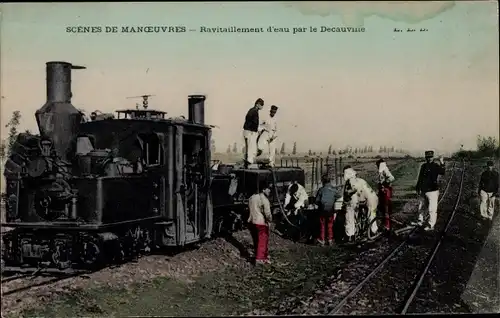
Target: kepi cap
x,y
429,153
489,163
325,178
259,101
274,107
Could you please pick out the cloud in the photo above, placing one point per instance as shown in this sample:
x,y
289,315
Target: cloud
x,y
354,13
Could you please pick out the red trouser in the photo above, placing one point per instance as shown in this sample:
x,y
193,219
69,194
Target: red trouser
x,y
328,219
260,237
385,203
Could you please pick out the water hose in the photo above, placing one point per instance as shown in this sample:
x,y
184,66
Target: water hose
x,y
282,209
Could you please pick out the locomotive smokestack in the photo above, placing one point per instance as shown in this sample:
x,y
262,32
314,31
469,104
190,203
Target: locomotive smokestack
x,y
196,105
59,81
58,120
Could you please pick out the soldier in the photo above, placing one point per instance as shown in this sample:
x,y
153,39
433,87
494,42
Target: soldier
x,y
295,198
488,190
356,192
428,189
385,179
250,131
267,137
259,220
325,200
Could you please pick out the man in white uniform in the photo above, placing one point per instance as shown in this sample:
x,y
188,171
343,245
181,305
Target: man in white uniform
x,y
296,198
267,137
357,191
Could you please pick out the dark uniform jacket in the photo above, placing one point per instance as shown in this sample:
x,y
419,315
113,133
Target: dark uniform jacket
x,y
489,181
252,120
428,175
326,197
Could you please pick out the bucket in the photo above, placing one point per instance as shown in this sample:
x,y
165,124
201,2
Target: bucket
x,y
338,204
90,163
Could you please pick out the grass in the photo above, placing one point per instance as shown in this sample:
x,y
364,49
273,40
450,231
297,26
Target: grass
x,y
297,269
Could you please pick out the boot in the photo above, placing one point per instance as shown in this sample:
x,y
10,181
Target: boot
x,y
349,239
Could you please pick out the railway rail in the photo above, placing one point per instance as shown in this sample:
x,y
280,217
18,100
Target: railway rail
x,y
356,296
24,281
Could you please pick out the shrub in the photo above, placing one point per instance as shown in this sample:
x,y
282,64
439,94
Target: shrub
x,y
485,147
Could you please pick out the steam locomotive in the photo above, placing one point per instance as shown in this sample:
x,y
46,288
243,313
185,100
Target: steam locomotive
x,y
86,193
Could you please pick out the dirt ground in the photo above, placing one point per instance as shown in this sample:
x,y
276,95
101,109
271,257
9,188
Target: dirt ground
x,y
215,279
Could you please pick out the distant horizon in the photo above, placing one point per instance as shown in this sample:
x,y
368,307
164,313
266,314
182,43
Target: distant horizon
x,y
300,151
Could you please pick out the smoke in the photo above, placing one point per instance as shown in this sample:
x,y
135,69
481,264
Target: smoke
x,y
353,13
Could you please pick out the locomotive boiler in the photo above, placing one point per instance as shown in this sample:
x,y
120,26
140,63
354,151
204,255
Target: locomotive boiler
x,y
85,193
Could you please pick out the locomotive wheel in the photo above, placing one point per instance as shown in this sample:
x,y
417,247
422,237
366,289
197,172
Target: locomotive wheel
x,y
91,253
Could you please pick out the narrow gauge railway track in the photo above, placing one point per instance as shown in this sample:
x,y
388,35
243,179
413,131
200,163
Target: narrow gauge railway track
x,y
22,282
331,291
370,300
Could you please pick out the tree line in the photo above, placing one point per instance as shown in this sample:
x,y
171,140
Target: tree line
x,y
13,125
330,151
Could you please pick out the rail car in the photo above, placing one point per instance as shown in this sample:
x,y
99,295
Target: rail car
x,y
85,193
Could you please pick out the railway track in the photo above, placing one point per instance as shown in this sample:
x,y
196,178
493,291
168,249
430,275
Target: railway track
x,y
407,260
26,281
369,259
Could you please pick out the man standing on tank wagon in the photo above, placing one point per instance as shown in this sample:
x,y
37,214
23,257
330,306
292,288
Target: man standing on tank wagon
x,y
488,190
267,137
250,131
259,219
428,189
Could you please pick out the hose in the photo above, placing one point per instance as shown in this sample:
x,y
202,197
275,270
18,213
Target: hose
x,y
282,209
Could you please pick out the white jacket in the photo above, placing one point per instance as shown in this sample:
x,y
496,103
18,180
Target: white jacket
x,y
301,196
267,132
270,126
260,209
384,174
361,188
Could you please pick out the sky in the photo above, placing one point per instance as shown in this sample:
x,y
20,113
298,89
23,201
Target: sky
x,y
436,89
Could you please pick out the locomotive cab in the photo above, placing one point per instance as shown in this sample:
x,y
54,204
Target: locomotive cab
x,y
156,169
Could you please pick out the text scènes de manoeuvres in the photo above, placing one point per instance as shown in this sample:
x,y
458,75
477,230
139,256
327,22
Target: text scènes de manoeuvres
x,y
205,29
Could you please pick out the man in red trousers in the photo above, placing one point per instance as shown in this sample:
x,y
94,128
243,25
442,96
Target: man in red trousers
x,y
259,220
385,181
325,200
